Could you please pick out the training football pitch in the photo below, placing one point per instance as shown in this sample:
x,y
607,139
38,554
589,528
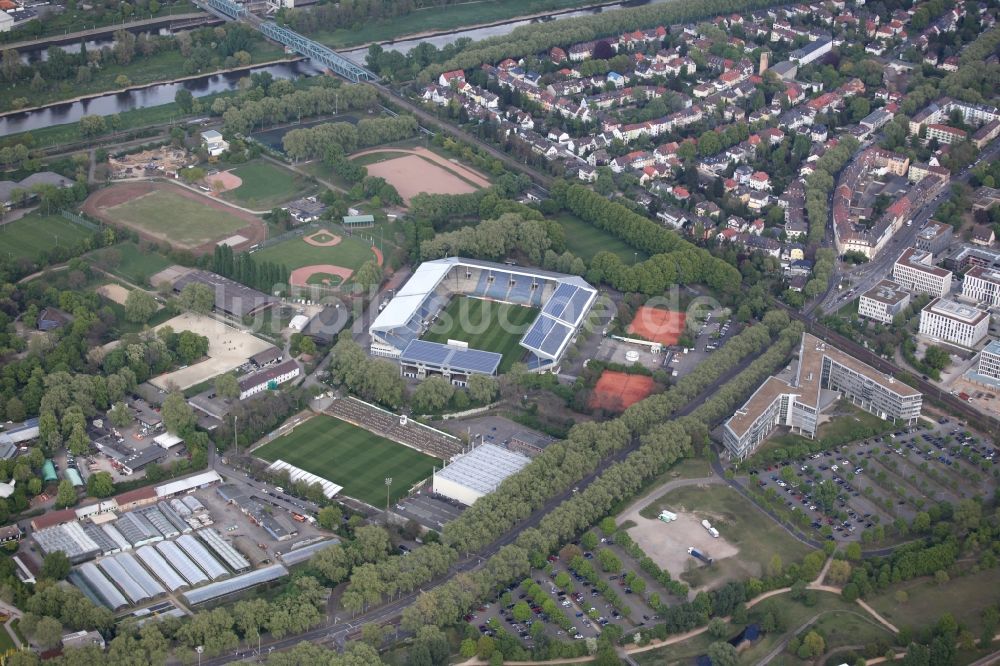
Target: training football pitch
x,y
35,233
485,325
351,457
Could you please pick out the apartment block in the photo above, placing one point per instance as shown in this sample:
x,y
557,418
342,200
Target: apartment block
x,y
958,323
883,301
915,271
982,285
823,373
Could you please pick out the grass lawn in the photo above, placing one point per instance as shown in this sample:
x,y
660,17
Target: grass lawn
x,y
266,185
127,260
6,642
486,325
585,240
34,233
324,172
757,537
296,253
351,457
435,19
176,217
964,597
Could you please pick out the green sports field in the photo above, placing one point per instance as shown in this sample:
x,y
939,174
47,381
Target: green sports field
x,y
585,240
351,457
294,253
486,325
181,220
266,185
34,233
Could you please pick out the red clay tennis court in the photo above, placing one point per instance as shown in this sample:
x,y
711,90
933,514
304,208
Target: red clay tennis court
x,y
656,325
615,390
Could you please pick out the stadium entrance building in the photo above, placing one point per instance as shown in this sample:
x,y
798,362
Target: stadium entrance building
x,y
564,302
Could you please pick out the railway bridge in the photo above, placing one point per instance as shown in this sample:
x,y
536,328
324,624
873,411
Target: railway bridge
x,y
318,53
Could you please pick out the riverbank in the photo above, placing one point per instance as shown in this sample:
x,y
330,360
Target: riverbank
x,y
161,67
88,34
438,21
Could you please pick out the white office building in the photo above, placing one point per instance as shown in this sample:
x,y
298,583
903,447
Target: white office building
x,y
988,368
883,301
982,285
957,323
916,272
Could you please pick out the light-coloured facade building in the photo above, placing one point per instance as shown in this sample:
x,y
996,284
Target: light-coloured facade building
x,y
982,285
916,272
883,301
798,404
267,378
934,238
988,368
957,323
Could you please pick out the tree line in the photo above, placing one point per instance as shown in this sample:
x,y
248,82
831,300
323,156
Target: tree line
x,y
535,38
270,103
317,141
264,275
821,182
674,260
493,239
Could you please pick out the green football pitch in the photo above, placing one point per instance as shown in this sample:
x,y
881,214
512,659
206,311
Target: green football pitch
x,y
351,457
485,325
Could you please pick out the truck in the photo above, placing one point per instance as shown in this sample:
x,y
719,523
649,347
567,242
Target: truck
x,y
694,552
667,516
707,525
714,532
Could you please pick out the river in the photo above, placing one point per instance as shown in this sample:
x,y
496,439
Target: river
x,y
163,93
154,95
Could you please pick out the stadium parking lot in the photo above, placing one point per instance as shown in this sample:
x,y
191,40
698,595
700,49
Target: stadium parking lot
x,y
884,478
431,511
709,338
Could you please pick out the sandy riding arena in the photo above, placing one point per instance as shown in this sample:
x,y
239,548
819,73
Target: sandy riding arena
x,y
615,391
323,239
321,274
223,181
422,171
656,325
228,348
114,293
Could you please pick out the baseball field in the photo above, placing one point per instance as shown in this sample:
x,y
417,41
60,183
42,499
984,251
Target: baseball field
x,y
485,325
351,457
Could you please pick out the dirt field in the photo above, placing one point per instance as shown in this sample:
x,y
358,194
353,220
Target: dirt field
x,y
425,171
322,239
228,348
656,325
615,391
667,543
196,232
223,181
113,292
300,277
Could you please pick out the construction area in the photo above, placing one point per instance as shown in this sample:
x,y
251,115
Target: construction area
x,y
162,161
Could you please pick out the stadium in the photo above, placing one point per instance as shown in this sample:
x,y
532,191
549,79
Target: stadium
x,y
521,314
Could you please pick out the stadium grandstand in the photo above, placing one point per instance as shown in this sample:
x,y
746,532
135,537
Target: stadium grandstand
x,y
563,300
386,424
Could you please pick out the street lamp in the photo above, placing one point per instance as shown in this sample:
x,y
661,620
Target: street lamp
x,y
199,650
388,485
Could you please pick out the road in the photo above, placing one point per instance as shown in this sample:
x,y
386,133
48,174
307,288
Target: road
x,y
335,630
189,19
865,276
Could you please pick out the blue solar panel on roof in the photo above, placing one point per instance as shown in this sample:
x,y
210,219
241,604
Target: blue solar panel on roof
x,y
539,329
434,353
575,308
558,300
555,338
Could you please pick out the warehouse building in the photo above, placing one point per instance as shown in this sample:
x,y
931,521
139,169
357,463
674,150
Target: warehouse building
x,y
823,375
472,475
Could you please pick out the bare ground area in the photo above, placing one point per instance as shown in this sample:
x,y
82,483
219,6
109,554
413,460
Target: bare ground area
x,y
113,292
228,348
667,543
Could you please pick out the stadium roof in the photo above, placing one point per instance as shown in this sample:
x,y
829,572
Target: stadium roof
x,y
561,314
421,352
483,468
330,489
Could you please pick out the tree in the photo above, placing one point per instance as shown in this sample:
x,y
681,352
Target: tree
x,y
432,395
839,572
100,484
65,494
227,386
329,517
937,357
369,275
178,417
55,565
718,628
522,611
853,551
723,654
196,297
184,100
48,633
941,577
813,645
774,567
139,306
119,415
483,388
